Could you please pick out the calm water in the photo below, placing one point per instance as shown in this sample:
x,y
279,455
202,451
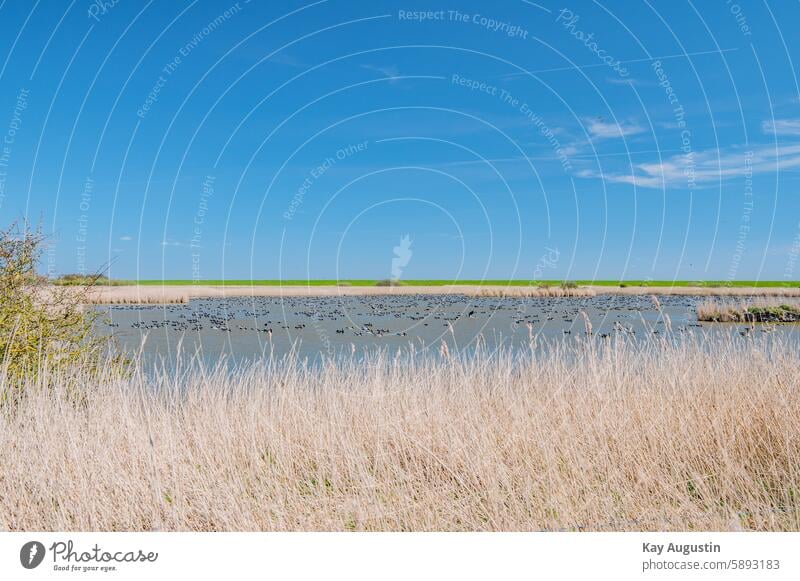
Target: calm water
x,y
245,328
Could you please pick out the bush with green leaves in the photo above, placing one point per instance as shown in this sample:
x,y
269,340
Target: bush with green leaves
x,y
390,282
39,320
73,279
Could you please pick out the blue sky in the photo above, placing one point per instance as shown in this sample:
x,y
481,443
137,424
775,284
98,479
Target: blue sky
x,y
304,140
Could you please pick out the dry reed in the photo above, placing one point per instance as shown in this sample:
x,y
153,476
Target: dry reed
x,y
702,291
532,291
601,435
732,311
136,296
181,294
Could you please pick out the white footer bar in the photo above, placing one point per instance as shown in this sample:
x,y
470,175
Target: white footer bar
x,y
372,556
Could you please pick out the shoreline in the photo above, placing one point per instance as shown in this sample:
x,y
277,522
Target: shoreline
x,y
172,294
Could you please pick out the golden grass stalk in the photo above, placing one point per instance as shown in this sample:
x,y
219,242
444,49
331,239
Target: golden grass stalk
x,y
662,436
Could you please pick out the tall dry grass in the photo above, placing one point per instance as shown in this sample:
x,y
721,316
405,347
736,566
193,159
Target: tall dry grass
x,y
702,291
133,295
720,311
607,435
731,311
533,291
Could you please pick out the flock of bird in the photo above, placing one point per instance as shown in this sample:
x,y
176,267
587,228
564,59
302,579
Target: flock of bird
x,y
426,317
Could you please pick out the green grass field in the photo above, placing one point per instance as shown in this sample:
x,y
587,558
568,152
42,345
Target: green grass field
x,y
367,282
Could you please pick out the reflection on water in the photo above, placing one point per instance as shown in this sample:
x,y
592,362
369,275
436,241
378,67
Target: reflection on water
x,y
246,328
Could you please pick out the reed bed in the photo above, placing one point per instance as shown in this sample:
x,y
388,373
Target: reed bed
x,y
702,291
686,434
180,294
135,296
541,291
752,310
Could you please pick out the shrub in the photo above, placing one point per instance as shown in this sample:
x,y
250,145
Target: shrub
x,y
82,280
38,320
389,282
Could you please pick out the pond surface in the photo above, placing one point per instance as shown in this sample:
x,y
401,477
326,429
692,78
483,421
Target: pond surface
x,y
246,328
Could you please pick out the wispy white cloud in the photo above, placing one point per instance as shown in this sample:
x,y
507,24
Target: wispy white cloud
x,y
600,129
570,150
390,72
174,243
574,67
630,81
283,58
704,167
781,126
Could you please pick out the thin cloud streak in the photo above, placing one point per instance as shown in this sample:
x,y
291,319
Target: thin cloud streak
x,y
600,129
705,167
781,126
629,61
